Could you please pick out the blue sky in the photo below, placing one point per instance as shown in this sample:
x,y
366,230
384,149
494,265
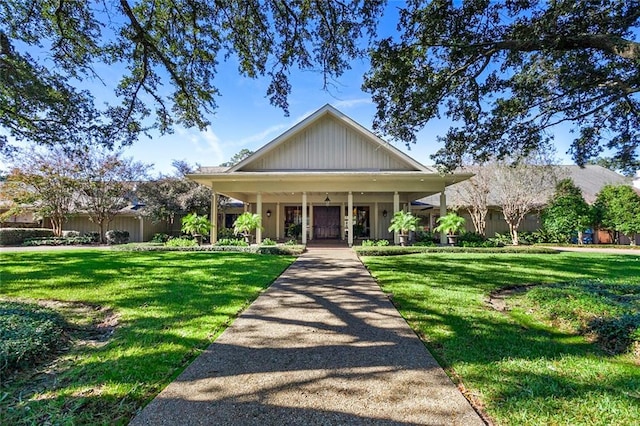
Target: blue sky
x,y
245,118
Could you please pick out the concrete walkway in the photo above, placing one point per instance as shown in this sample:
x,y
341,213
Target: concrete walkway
x,y
322,346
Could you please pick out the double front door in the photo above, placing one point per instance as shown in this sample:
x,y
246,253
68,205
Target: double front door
x,y
326,222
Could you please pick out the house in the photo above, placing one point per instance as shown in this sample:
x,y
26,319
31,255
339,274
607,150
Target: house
x,y
328,176
590,179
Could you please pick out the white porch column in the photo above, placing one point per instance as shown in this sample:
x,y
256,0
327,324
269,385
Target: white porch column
x,y
213,236
141,229
304,218
342,228
374,234
245,206
443,212
259,213
350,218
310,221
396,208
277,221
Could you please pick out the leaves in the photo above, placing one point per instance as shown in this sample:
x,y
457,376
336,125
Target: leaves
x,y
506,72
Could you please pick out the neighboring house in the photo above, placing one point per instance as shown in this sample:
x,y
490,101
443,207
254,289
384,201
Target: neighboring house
x,y
590,179
317,173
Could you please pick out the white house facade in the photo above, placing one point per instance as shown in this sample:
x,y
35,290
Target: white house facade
x,y
315,173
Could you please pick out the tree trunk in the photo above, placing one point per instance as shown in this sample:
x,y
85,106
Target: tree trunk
x,y
513,230
102,238
580,237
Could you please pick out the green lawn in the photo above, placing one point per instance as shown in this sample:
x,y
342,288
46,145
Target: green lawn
x,y
169,306
519,365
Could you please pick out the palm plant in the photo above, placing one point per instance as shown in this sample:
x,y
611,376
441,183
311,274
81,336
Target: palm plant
x,y
403,222
450,224
247,223
196,226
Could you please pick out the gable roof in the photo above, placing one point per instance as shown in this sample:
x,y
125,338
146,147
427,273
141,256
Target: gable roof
x,y
328,140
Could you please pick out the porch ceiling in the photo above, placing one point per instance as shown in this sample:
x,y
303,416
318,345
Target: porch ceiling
x,y
281,187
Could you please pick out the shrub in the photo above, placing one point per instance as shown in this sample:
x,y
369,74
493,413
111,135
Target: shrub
x,y
17,236
28,333
422,236
232,242
94,235
181,242
225,233
57,241
160,238
399,250
616,335
375,243
286,250
291,243
115,236
268,242
70,233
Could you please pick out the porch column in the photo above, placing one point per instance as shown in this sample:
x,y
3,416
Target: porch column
x,y
304,218
350,218
342,228
443,212
213,236
277,221
310,221
259,213
374,235
245,206
396,208
141,229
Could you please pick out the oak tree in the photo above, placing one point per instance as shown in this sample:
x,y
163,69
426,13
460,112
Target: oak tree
x,y
506,73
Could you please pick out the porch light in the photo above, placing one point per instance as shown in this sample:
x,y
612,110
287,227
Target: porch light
x,y
268,213
384,213
327,201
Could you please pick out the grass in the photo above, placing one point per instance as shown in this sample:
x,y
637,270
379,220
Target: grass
x,y
517,366
169,306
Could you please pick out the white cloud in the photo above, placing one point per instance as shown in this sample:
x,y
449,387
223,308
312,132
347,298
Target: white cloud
x,y
350,103
206,142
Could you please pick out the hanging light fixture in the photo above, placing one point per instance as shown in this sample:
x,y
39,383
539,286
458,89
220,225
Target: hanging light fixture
x,y
327,200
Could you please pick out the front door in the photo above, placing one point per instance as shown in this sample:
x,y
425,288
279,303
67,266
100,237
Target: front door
x,y
326,222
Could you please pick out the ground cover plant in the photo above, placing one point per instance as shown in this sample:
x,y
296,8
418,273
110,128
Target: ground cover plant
x,y
163,309
516,358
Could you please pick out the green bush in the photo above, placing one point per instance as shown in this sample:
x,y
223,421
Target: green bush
x,y
232,242
181,242
268,242
57,241
291,243
375,243
70,234
94,235
287,250
422,236
399,250
160,238
17,236
225,233
617,335
115,236
28,333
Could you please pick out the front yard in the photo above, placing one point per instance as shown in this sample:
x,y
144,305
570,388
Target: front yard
x,y
134,321
528,357
529,338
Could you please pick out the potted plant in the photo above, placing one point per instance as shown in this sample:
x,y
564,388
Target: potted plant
x,y
246,223
403,222
196,226
450,224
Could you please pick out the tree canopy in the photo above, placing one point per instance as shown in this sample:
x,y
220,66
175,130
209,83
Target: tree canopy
x,y
507,72
169,50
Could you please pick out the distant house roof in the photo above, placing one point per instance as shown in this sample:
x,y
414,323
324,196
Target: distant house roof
x,y
590,179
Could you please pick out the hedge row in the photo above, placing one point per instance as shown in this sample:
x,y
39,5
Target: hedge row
x,y
17,236
399,250
58,241
276,250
